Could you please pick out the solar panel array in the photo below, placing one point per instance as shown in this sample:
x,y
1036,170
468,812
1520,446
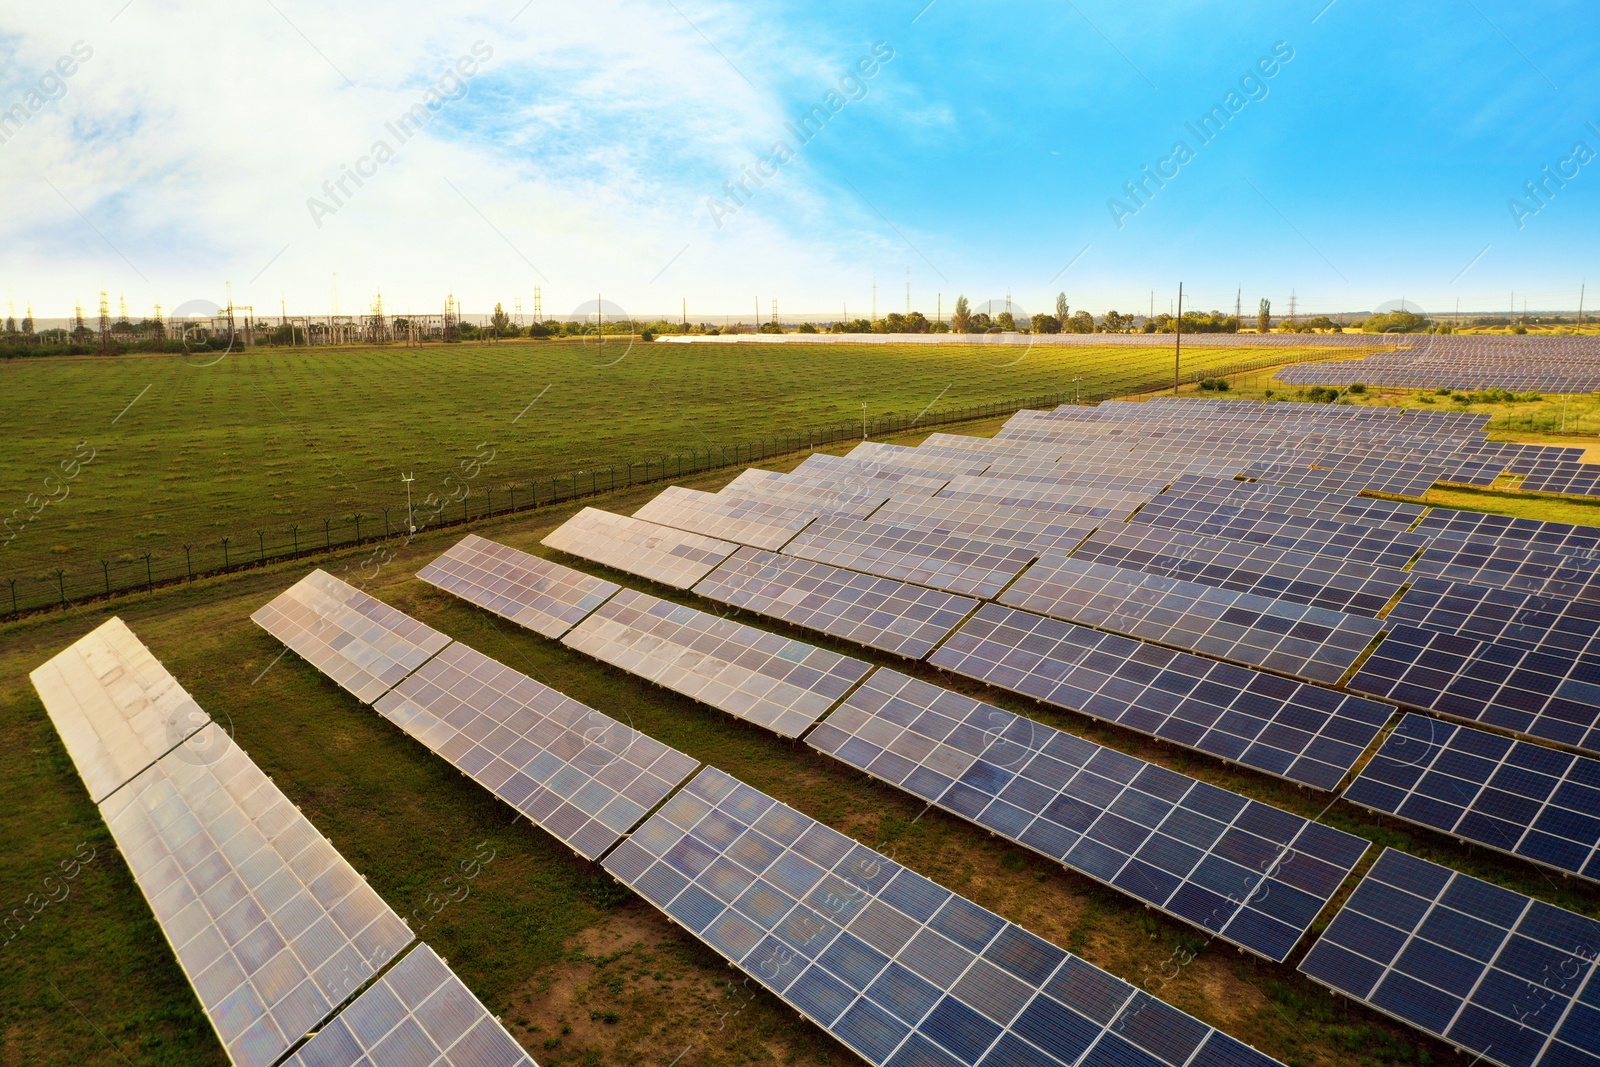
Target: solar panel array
x,y
1551,696
1528,533
361,643
546,597
1317,644
575,772
1285,728
1279,573
769,680
272,927
1514,363
754,482
1514,796
1340,507
1507,616
659,553
419,1013
1512,566
897,968
759,521
877,612
935,557
1237,868
1493,972
1324,537
115,706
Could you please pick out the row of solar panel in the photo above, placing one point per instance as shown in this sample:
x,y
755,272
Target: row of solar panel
x,y
460,700
1252,874
270,924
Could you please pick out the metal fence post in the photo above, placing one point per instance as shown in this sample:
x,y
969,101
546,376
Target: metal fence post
x,y
188,562
149,579
261,543
105,569
226,566
61,585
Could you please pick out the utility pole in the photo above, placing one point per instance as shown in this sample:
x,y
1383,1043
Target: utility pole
x,y
411,519
863,420
685,314
1581,289
758,314
1177,341
1238,303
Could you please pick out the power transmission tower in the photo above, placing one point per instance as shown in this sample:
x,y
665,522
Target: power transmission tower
x,y
1292,305
105,320
1238,303
538,305
518,317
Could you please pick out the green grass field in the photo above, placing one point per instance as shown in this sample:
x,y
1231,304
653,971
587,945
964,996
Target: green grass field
x,y
583,973
269,439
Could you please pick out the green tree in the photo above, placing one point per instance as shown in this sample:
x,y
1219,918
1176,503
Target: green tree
x,y
1061,307
1006,322
1046,324
1082,322
961,318
1114,323
1264,316
500,322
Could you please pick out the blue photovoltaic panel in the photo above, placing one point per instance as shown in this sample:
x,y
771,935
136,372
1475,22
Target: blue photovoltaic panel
x,y
903,972
1317,644
418,1014
877,612
1521,798
573,771
1491,971
1548,694
1344,540
1528,533
1508,616
1287,728
1514,565
1248,872
968,564
544,596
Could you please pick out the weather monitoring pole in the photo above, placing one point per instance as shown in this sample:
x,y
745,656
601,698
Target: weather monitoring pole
x,y
1177,340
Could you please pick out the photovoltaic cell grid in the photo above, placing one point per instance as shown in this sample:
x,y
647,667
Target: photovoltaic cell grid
x,y
1317,644
895,481
759,521
1248,872
1527,533
1339,507
116,708
659,553
1282,727
1050,496
1343,540
1540,694
418,1014
1279,573
1038,530
1520,798
1512,566
272,927
903,972
754,482
936,558
881,613
546,597
361,643
1400,479
766,679
575,772
1507,616
1491,971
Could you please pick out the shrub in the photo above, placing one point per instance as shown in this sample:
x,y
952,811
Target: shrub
x,y
1358,388
1219,385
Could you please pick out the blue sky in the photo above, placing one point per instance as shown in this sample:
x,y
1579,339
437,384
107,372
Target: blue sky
x,y
589,151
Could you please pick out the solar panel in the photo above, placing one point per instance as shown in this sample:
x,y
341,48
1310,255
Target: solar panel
x,y
546,597
1289,729
361,643
1530,533
419,1013
1508,616
1247,872
937,558
894,481
272,927
573,771
1308,642
116,708
1038,530
761,677
1537,693
659,553
759,521
1054,496
1279,573
1520,798
1512,566
1339,507
1343,540
877,612
900,970
754,482
1491,971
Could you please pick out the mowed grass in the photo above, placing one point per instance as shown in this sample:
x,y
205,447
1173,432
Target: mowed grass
x,y
268,439
580,970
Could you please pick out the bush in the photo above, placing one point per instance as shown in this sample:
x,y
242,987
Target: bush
x,y
1358,388
1219,385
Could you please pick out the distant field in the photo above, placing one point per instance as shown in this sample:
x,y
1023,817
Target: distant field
x,y
273,438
